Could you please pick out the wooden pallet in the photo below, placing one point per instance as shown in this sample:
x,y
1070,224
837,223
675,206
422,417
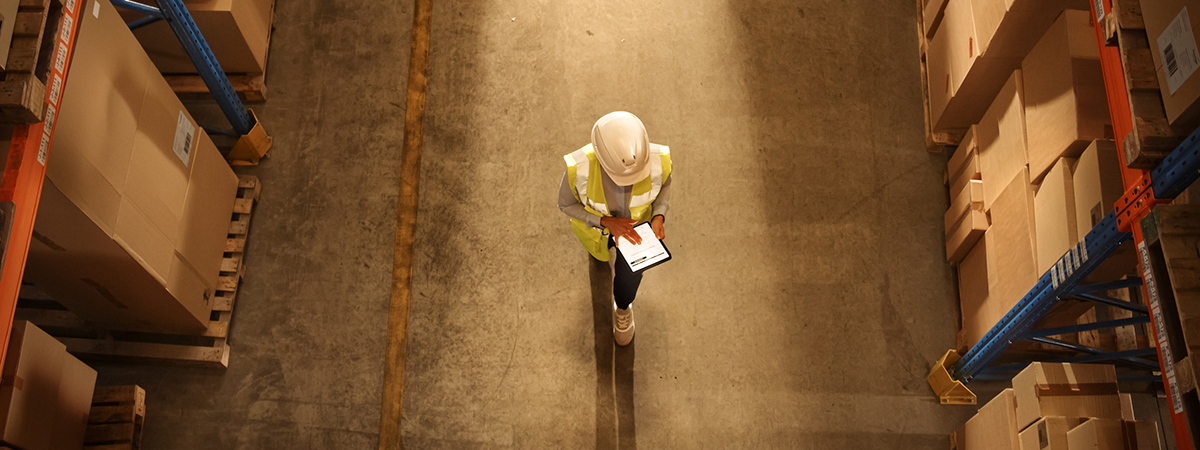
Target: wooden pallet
x,y
249,87
35,35
210,349
1172,238
935,141
1152,137
116,419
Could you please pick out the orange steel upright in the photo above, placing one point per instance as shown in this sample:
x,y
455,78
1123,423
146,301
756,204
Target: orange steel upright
x,y
1122,122
25,169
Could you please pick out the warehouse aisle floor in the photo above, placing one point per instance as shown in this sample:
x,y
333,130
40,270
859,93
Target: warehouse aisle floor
x,y
310,325
808,292
807,297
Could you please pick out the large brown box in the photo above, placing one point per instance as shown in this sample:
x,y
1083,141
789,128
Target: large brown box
x,y
1067,390
1001,137
45,393
1049,433
1097,186
1065,103
994,427
1054,214
1002,266
237,31
1110,434
135,207
1170,27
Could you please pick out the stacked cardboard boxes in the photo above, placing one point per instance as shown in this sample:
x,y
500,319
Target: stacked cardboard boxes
x,y
1029,143
1058,406
45,393
973,46
135,207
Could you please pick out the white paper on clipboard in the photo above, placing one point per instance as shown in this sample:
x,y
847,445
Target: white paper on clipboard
x,y
640,256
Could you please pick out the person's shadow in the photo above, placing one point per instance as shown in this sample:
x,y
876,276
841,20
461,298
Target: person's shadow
x,y
615,423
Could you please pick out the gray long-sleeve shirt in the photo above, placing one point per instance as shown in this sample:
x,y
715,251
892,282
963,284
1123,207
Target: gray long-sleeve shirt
x,y
616,198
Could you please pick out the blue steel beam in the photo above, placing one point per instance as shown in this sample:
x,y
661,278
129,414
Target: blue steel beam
x,y
1128,282
1085,327
139,7
206,64
143,22
1117,303
1095,354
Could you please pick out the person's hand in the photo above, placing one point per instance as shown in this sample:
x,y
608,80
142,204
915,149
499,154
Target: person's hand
x,y
656,224
621,228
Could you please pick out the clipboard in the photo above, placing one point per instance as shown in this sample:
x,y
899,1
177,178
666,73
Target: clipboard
x,y
650,253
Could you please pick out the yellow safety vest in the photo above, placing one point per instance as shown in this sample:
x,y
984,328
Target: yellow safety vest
x,y
585,175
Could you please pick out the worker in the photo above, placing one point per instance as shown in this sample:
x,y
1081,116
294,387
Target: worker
x,y
612,185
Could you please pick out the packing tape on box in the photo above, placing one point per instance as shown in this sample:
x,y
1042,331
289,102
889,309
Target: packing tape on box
x,y
1082,389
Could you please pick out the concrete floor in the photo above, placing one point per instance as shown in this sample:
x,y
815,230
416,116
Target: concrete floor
x,y
808,292
806,300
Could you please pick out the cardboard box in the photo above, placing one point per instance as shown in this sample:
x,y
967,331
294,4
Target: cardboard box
x,y
993,427
965,234
1010,28
1054,214
1065,103
1097,186
975,276
135,207
1001,136
1126,407
963,153
1113,434
1096,182
970,171
941,87
237,31
1002,266
75,402
1170,27
966,82
1014,252
969,197
1067,390
45,393
933,16
1049,433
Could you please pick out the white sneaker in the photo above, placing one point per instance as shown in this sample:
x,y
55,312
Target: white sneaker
x,y
622,325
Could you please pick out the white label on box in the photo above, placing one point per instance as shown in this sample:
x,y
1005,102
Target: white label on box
x,y
1177,47
1099,4
71,5
185,134
42,149
49,118
60,60
65,34
96,10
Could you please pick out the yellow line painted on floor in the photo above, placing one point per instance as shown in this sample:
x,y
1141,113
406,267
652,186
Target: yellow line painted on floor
x,y
406,215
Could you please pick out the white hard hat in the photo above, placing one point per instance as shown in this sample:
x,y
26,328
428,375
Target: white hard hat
x,y
621,145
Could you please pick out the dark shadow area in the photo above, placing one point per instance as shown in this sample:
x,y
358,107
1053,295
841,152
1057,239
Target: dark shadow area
x,y
616,426
600,276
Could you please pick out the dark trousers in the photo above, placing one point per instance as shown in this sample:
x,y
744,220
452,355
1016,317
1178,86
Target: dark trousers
x,y
625,281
